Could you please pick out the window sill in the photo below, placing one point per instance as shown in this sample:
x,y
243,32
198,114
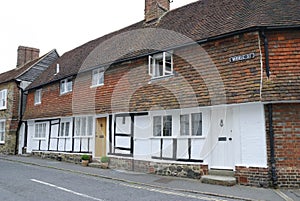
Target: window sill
x,y
64,137
178,137
154,79
65,93
36,104
78,137
43,139
3,108
2,143
191,137
95,86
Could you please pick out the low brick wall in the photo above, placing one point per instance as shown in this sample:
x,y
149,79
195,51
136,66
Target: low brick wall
x,y
67,157
193,171
252,176
288,177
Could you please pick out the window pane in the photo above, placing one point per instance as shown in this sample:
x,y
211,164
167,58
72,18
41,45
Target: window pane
x,y
2,131
158,67
184,125
77,126
62,86
67,129
69,85
36,132
95,77
62,129
101,78
197,124
90,126
167,131
156,126
44,131
83,126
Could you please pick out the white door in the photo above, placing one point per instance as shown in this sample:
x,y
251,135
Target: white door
x,y
222,154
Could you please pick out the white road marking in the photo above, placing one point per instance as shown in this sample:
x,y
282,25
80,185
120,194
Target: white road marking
x,y
282,195
66,190
172,193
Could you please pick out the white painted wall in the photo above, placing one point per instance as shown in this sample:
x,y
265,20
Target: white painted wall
x,y
21,138
244,123
253,136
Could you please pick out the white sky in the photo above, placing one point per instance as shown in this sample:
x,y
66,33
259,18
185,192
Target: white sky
x,y
62,24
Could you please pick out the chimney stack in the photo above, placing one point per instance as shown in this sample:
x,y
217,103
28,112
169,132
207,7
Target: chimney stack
x,y
26,54
154,9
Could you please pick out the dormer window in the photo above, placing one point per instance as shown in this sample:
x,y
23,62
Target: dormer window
x,y
66,86
3,99
161,65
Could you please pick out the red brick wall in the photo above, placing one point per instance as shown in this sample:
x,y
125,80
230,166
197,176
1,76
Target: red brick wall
x,y
203,76
286,124
53,104
200,74
284,50
252,176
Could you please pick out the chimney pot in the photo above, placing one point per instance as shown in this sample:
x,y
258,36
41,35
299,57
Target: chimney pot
x,y
26,54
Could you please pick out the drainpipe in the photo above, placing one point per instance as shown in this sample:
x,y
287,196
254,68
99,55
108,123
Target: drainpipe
x,y
266,47
20,116
270,111
272,149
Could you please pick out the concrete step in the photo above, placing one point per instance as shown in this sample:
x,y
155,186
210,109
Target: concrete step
x,y
218,172
218,180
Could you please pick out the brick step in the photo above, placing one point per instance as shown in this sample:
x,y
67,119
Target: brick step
x,y
218,180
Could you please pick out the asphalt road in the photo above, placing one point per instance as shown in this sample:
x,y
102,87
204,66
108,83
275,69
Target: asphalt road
x,y
21,182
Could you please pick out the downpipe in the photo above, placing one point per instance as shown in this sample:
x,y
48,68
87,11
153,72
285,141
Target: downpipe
x,y
272,146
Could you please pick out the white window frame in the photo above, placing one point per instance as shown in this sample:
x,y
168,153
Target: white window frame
x,y
40,130
66,86
191,124
2,131
153,67
65,129
162,123
97,77
38,97
3,99
84,126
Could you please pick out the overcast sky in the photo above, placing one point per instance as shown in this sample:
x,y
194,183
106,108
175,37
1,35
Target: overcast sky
x,y
62,24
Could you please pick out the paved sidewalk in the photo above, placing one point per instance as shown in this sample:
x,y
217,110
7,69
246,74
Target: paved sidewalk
x,y
166,183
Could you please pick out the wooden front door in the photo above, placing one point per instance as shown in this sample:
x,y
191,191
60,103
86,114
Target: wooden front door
x,y
100,138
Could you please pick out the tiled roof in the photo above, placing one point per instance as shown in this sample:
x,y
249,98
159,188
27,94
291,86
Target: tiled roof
x,y
200,20
26,72
14,73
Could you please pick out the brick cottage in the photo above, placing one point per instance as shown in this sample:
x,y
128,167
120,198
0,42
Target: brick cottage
x,y
210,85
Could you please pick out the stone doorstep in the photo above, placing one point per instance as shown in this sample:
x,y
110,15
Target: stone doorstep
x,y
218,180
217,172
95,164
